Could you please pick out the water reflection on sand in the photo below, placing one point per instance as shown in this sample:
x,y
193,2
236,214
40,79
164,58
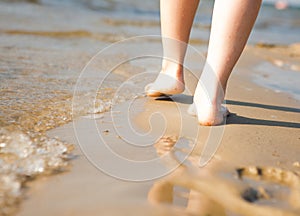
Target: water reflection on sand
x,y
220,189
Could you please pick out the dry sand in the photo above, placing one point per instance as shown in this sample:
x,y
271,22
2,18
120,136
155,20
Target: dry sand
x,y
254,171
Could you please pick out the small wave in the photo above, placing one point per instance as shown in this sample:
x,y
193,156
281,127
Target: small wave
x,y
23,157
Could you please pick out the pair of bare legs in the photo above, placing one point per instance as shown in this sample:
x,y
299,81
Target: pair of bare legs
x,y
232,23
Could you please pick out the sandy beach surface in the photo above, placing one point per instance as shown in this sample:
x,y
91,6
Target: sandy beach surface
x,y
80,138
260,142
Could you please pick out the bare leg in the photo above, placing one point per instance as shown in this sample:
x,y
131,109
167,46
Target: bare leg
x,y
176,21
231,26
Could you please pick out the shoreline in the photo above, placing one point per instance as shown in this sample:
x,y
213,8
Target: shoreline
x,y
266,128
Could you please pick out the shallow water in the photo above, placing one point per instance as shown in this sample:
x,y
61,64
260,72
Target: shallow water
x,y
271,76
45,44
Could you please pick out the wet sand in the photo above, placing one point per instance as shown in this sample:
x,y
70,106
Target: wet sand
x,y
254,171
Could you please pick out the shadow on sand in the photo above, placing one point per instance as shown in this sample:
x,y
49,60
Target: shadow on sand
x,y
237,119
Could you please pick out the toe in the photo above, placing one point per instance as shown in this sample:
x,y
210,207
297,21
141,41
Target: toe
x,y
225,111
148,87
192,110
151,92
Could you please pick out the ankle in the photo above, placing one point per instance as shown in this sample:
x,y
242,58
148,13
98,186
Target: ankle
x,y
172,68
209,98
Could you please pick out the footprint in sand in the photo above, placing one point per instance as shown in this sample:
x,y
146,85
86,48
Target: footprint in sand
x,y
270,186
165,144
247,191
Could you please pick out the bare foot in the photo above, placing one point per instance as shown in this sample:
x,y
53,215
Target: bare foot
x,y
208,106
192,110
166,83
223,113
